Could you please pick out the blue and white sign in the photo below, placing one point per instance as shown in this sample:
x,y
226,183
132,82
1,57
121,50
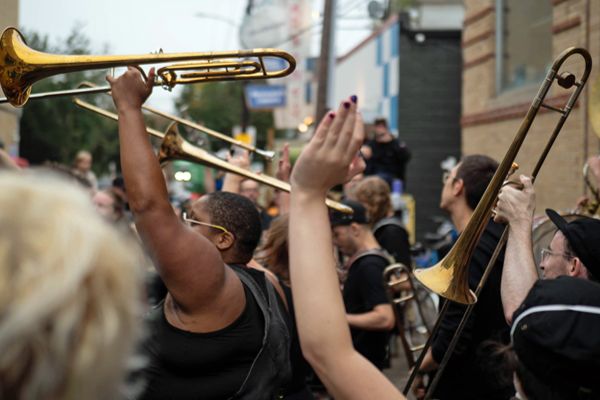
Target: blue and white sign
x,y
265,96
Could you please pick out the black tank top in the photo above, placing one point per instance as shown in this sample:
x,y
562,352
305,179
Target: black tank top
x,y
221,364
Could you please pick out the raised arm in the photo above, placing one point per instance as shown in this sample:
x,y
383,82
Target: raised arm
x,y
516,207
330,158
189,264
231,182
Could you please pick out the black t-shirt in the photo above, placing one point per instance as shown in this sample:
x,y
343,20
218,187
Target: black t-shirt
x,y
363,290
388,158
393,238
472,372
188,365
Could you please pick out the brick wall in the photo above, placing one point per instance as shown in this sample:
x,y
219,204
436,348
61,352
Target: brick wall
x,y
490,122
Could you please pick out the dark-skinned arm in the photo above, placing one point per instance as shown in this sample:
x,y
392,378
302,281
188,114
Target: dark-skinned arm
x,y
189,264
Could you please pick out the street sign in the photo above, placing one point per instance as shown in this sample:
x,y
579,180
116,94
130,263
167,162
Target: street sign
x,y
261,97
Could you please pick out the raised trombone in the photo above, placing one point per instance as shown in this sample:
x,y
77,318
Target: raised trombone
x,y
22,66
268,154
449,278
175,147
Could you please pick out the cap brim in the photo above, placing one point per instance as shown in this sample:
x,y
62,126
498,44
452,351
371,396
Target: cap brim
x,y
557,220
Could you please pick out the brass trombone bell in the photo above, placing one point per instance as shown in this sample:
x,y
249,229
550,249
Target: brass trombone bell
x,y
175,147
22,66
450,277
268,154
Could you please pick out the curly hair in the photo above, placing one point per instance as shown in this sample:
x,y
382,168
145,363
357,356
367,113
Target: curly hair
x,y
70,293
374,193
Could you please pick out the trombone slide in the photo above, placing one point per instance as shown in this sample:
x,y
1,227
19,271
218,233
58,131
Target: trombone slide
x,y
175,147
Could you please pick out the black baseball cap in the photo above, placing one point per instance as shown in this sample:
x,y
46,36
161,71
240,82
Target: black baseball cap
x,y
583,235
359,214
556,333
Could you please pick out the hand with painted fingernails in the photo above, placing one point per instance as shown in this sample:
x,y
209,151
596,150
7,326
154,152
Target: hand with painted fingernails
x,y
332,155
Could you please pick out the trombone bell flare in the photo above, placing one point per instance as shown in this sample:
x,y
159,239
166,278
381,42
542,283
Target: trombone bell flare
x,y
450,277
441,279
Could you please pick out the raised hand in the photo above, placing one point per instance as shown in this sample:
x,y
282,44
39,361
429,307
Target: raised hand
x,y
332,156
241,158
514,205
130,90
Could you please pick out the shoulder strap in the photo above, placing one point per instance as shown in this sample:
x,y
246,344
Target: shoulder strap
x,y
271,366
261,300
372,252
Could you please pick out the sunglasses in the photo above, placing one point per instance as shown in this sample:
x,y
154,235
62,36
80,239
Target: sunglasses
x,y
190,222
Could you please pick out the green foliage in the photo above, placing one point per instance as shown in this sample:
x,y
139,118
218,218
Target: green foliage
x,y
55,129
397,6
218,105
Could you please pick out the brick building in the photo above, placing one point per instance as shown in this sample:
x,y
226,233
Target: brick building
x,y
507,47
9,116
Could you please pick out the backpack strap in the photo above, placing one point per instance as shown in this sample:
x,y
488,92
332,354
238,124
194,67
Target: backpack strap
x,y
371,252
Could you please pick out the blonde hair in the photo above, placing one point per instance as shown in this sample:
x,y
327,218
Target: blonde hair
x,y
70,293
373,193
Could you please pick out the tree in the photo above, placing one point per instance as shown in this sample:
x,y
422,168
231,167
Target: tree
x,y
55,129
218,105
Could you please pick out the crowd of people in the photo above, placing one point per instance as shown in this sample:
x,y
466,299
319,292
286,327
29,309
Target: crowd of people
x,y
114,293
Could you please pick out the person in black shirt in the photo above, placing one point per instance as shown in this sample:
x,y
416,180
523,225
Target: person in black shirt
x,y
374,194
471,373
369,314
386,156
573,251
556,340
220,331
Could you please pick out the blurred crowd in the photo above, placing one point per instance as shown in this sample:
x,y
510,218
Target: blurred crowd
x,y
120,291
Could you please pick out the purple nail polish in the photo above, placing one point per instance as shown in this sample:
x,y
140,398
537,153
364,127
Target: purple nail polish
x,y
331,115
354,98
346,104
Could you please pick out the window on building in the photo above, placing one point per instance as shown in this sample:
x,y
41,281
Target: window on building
x,y
524,42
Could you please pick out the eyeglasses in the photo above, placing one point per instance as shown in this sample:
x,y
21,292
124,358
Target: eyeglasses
x,y
191,221
545,253
447,175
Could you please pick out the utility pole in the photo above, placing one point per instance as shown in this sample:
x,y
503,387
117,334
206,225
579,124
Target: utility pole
x,y
326,61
